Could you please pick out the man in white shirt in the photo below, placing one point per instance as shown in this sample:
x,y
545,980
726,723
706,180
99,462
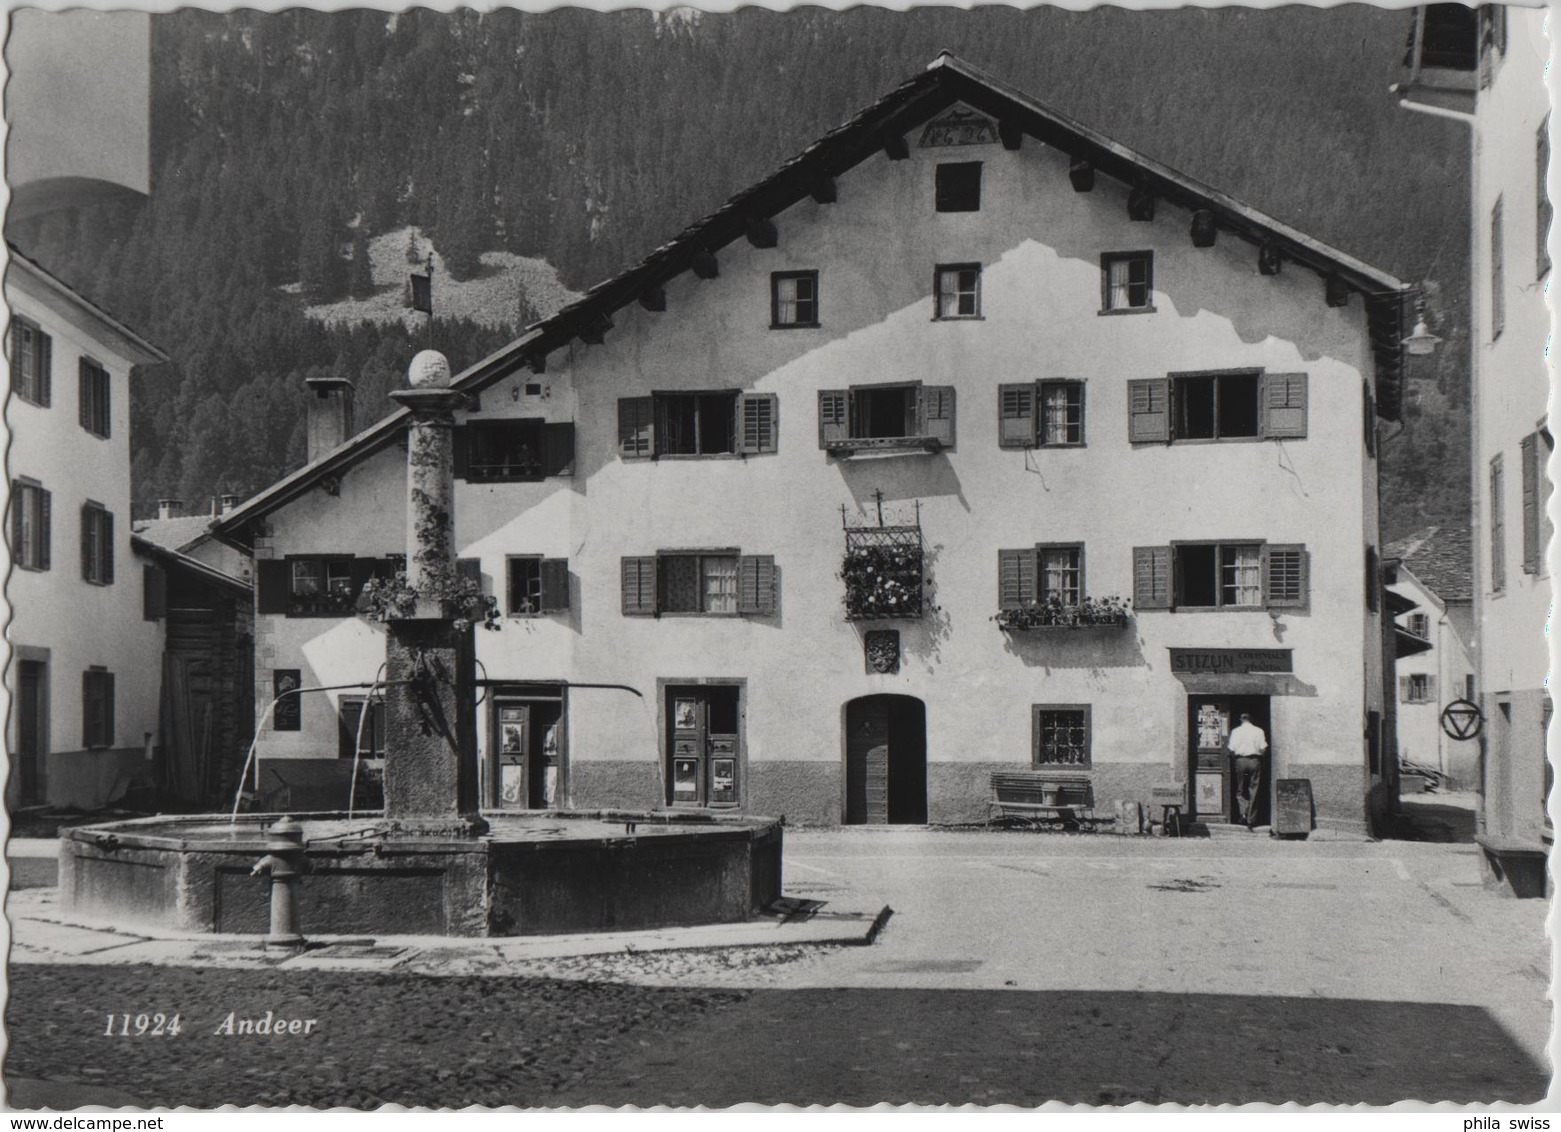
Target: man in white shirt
x,y
1248,744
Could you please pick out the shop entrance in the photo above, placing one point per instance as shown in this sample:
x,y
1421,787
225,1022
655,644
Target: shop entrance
x,y
526,749
702,724
1209,723
886,761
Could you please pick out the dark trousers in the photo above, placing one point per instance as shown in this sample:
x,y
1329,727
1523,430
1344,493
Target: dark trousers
x,y
1249,787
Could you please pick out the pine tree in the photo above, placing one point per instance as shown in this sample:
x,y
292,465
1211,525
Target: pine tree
x,y
361,278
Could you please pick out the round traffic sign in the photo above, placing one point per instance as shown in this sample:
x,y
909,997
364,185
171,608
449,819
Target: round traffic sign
x,y
1461,719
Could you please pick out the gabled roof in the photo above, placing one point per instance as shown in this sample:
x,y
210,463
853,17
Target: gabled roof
x,y
946,81
116,333
174,560
1442,557
176,534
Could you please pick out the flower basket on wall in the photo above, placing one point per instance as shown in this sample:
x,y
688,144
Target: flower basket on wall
x,y
882,572
1053,613
393,598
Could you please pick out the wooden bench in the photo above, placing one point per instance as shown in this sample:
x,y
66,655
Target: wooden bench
x,y
1028,797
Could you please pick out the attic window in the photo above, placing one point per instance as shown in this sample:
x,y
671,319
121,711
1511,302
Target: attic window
x,y
1127,281
958,186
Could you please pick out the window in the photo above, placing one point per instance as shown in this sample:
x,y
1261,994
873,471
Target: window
x,y
322,586
97,708
1047,414
709,582
1127,281
958,291
1061,573
793,299
958,186
32,362
1212,575
1542,197
93,398
1419,625
357,736
1417,688
1060,734
30,538
1448,38
1498,300
97,544
537,585
1498,529
1237,405
697,424
512,451
1534,452
886,417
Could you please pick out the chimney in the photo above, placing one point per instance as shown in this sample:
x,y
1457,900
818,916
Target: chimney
x,y
228,503
329,415
169,508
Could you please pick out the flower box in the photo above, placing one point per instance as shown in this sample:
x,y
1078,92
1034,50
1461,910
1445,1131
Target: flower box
x,y
1054,614
883,578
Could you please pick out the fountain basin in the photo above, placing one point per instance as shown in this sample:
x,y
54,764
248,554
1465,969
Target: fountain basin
x,y
530,874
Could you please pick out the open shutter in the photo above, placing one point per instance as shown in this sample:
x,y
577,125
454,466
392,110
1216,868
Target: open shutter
x,y
18,505
461,449
756,584
45,369
1016,415
937,411
1149,410
639,586
273,581
636,432
469,569
558,440
756,415
108,548
84,393
45,535
1016,578
834,421
1286,577
1527,449
555,584
154,592
1403,690
87,532
91,711
1284,405
359,571
1152,577
106,682
1430,688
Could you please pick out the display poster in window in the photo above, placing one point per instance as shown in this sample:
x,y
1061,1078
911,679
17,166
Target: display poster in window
x,y
511,785
685,780
723,780
1211,793
512,741
684,716
1211,727
287,714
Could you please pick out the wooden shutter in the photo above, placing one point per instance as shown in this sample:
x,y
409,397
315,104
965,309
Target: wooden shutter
x,y
834,416
1149,410
45,521
91,708
469,568
1016,570
461,450
154,592
639,586
45,361
1152,577
1284,405
756,418
84,394
108,548
1403,690
86,542
18,506
555,584
756,584
1369,411
937,413
1016,415
636,428
359,571
1528,452
273,585
1286,577
1430,687
558,444
1373,580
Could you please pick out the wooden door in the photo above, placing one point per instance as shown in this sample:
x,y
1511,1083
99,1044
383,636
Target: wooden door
x,y
27,766
1208,728
703,728
867,761
507,786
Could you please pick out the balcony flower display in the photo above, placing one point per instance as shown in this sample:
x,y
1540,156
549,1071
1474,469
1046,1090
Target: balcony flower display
x,y
389,599
1054,613
882,581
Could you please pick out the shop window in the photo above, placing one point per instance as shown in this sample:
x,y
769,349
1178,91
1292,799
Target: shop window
x,y
30,521
97,708
697,424
536,585
705,582
1126,282
1417,688
1217,406
93,391
958,186
356,735
1060,735
97,544
513,451
32,362
1047,414
793,299
886,417
957,291
1232,575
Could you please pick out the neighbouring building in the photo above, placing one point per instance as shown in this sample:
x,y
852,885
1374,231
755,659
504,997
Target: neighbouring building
x,y
1486,67
968,441
85,717
1429,574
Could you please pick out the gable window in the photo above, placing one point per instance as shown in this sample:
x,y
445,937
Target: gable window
x,y
1221,575
356,736
889,416
1498,299
1542,196
1534,454
1419,625
708,582
1417,688
97,707
30,535
93,393
793,299
1127,281
957,291
1243,404
97,544
958,186
32,362
1060,734
1498,528
536,585
721,423
511,451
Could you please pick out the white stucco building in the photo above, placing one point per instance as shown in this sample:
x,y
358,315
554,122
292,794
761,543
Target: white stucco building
x,y
84,694
818,479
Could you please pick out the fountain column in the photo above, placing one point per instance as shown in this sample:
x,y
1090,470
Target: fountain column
x,y
430,704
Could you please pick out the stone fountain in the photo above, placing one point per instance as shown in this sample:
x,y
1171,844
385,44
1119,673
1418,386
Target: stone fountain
x,y
432,863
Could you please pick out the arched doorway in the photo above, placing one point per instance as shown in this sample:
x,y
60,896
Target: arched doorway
x,y
886,761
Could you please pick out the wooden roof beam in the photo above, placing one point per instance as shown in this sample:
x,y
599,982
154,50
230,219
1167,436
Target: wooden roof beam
x,y
760,231
705,265
823,191
654,299
1010,133
595,330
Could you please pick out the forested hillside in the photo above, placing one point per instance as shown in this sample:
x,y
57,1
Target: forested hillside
x,y
283,143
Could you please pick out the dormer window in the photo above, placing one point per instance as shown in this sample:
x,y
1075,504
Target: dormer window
x,y
958,186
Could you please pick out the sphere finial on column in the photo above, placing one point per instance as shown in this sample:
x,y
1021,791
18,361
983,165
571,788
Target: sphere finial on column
x,y
429,370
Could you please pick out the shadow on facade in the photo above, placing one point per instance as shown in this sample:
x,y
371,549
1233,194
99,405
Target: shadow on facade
x,y
1094,647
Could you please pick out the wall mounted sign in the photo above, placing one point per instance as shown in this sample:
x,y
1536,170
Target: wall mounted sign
x,y
1219,662
1461,719
287,715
